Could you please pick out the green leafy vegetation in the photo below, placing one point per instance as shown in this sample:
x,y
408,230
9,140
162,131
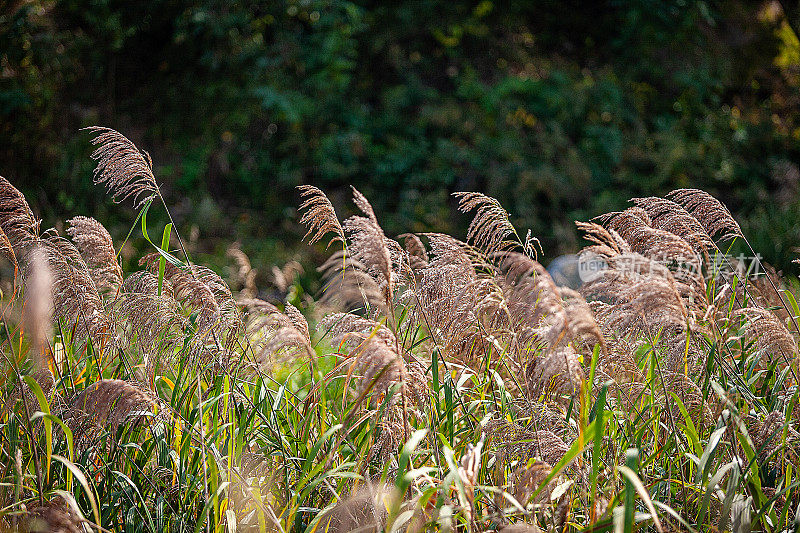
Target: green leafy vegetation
x,y
436,384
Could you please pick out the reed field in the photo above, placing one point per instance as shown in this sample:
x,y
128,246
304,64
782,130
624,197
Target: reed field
x,y
432,385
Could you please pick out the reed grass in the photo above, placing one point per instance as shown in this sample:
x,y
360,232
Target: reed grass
x,y
435,384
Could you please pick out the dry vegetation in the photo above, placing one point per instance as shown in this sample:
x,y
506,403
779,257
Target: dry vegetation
x,y
447,385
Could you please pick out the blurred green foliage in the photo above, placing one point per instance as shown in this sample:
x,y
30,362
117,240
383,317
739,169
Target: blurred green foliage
x,y
560,109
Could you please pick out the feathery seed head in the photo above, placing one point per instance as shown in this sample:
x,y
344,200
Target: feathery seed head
x,y
122,168
97,249
320,216
715,218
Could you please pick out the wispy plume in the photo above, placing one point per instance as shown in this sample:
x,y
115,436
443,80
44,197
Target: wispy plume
x,y
17,221
124,170
491,225
319,216
710,212
97,249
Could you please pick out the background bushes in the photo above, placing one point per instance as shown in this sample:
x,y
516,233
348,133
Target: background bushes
x,y
561,110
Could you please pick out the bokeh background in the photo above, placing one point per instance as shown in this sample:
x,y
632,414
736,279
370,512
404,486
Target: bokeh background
x,y
560,109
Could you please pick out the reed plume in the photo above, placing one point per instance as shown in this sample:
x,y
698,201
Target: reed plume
x,y
635,292
771,335
416,256
556,371
370,247
283,277
366,272
670,216
284,345
348,285
154,322
320,216
514,442
378,365
447,298
245,273
17,221
7,249
364,511
97,249
56,516
38,312
491,225
634,225
372,352
201,290
709,212
341,326
76,300
553,318
145,282
107,404
669,249
123,169
526,479
684,387
766,431
276,336
578,320
762,294
387,439
529,289
298,320
618,362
